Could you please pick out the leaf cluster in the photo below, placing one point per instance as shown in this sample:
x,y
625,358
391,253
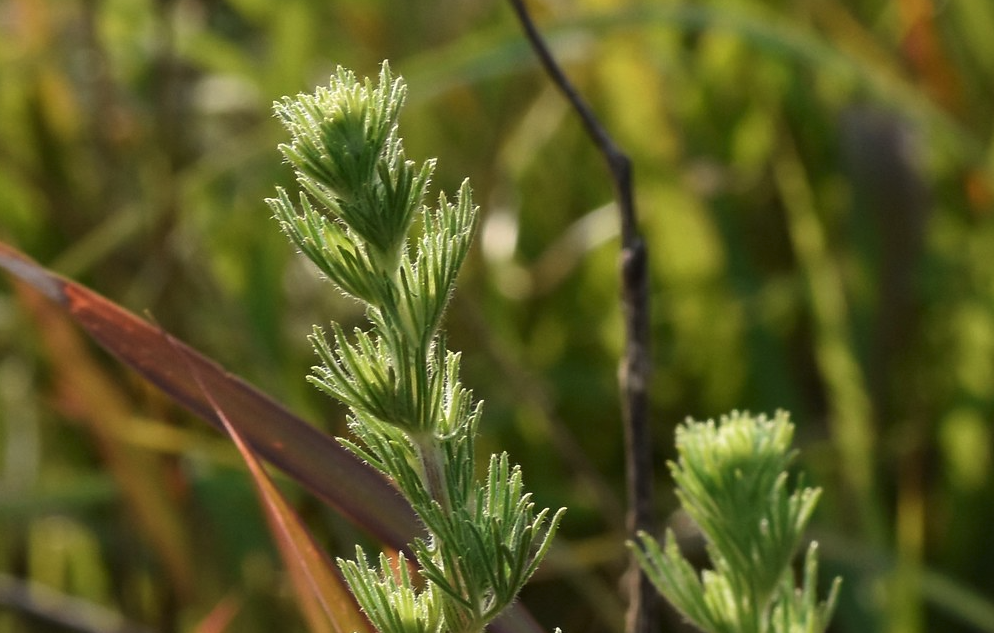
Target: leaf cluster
x,y
414,420
732,481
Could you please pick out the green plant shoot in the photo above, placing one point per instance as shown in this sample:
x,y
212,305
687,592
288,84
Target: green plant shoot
x,y
732,481
359,199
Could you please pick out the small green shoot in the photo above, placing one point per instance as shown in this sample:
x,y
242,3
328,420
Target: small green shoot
x,y
732,481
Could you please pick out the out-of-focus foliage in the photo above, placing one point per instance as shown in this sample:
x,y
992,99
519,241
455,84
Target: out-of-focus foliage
x,y
816,184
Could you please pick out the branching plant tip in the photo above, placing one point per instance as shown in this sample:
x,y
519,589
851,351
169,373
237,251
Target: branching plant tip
x,y
732,481
359,201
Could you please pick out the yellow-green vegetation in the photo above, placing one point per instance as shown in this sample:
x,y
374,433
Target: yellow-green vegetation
x,y
732,482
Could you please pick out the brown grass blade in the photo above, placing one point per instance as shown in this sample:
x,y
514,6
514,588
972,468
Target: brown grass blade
x,y
323,596
220,617
305,454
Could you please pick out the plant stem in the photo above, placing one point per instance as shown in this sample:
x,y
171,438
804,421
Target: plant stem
x,y
634,374
432,462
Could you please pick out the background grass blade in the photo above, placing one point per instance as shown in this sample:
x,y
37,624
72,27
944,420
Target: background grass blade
x,y
86,394
323,597
220,616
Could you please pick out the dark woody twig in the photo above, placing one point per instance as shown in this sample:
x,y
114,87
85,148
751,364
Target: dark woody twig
x,y
634,374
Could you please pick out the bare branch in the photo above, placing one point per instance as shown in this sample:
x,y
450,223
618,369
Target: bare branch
x,y
634,374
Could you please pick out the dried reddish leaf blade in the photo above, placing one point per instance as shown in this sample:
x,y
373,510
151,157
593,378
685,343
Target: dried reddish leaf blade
x,y
322,593
277,435
24,268
220,616
311,457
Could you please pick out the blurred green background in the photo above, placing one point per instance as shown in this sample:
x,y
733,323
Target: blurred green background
x,y
816,184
